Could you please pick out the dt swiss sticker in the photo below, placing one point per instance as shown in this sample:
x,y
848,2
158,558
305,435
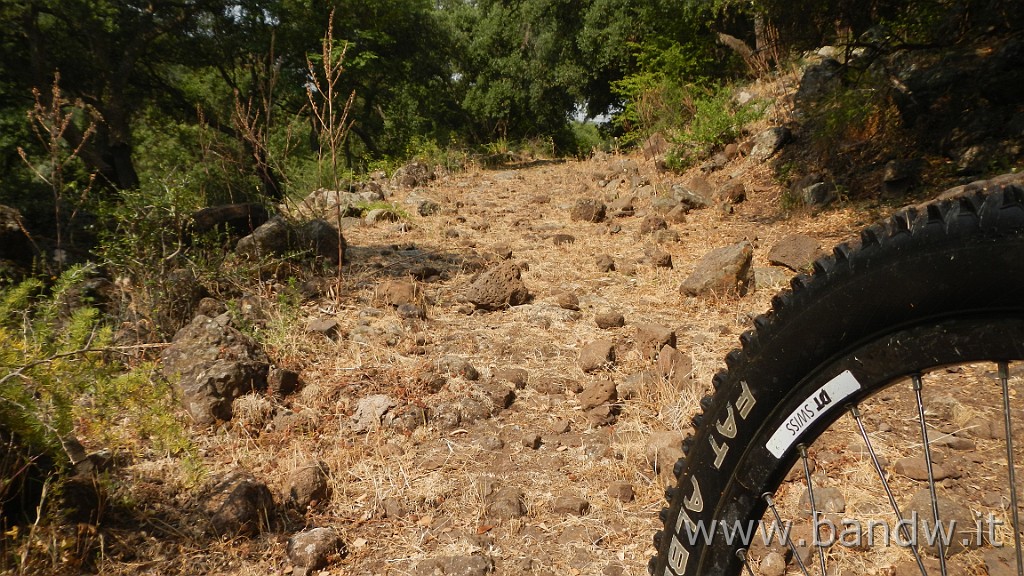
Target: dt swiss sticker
x,y
821,401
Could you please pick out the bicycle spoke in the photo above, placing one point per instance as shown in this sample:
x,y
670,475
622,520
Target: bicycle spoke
x,y
918,385
855,412
742,554
1004,381
815,537
789,541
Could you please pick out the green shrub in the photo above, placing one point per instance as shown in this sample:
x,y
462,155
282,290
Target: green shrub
x,y
716,121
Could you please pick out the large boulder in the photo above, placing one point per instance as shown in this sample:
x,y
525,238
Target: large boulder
x,y
212,364
279,237
722,271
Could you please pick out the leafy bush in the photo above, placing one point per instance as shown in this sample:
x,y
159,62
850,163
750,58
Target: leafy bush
x,y
716,121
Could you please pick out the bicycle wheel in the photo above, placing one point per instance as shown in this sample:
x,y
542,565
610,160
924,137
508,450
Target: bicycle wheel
x,y
931,287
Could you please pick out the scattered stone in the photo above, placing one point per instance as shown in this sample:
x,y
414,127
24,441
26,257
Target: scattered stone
x,y
951,513
568,504
651,338
600,391
716,162
282,382
603,415
460,367
326,326
413,175
731,151
665,204
827,500
631,386
567,301
770,278
665,237
588,210
733,192
370,410
622,207
675,366
212,364
505,503
1000,561
796,252
597,356
605,263
412,311
455,566
238,505
380,215
308,486
663,450
490,442
768,142
312,549
677,215
722,271
691,196
773,564
657,257
651,223
518,377
394,508
560,239
607,320
952,442
498,288
621,491
398,292
915,468
280,237
818,195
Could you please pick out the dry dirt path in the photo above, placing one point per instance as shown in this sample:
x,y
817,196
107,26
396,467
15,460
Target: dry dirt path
x,y
514,470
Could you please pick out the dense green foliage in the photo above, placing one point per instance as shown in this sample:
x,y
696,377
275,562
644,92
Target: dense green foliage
x,y
215,95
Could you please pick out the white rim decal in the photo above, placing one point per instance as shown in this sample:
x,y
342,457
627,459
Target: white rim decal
x,y
823,400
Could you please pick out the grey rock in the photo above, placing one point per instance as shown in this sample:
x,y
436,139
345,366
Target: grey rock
x,y
308,485
605,263
282,382
915,468
312,548
657,257
518,377
665,204
631,386
412,311
651,338
588,210
598,392
370,410
651,223
770,278
951,513
676,215
827,500
398,292
621,491
570,504
796,252
818,195
567,301
692,197
238,505
455,566
505,503
768,142
607,320
675,366
498,288
773,564
722,271
212,364
597,356
279,237
460,367
326,326
663,450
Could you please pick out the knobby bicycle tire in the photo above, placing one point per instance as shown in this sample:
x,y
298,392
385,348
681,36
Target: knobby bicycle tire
x,y
933,285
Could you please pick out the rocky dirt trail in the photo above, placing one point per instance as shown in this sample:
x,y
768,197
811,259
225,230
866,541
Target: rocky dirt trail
x,y
502,384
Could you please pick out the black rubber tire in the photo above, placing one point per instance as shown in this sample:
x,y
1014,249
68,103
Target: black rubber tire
x,y
931,286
